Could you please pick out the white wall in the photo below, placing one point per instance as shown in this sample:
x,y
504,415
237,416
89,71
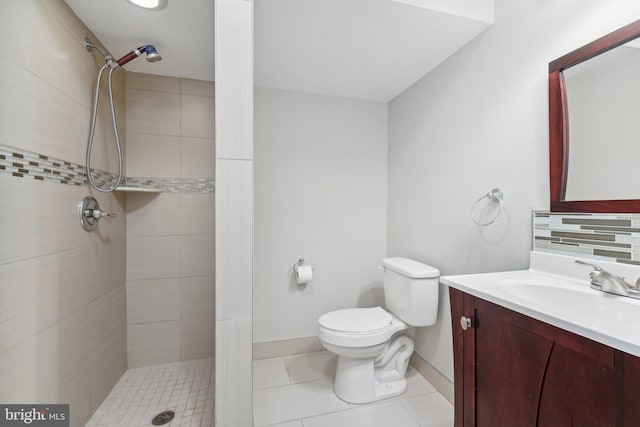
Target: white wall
x,y
480,121
320,193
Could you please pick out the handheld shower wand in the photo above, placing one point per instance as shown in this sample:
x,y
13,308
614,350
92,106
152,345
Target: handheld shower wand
x,y
152,56
149,50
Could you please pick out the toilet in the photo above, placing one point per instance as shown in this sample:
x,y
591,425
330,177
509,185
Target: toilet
x,y
372,344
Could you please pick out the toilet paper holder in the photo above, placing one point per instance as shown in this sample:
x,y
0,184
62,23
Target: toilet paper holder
x,y
302,277
298,264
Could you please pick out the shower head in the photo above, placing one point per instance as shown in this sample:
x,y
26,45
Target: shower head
x,y
152,53
149,50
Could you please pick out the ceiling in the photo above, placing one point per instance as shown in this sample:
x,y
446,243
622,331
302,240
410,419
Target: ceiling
x,y
182,33
363,49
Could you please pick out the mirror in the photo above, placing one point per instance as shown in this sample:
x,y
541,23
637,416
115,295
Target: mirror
x,y
594,128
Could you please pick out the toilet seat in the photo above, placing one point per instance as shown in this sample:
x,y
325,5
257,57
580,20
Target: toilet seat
x,y
356,320
358,327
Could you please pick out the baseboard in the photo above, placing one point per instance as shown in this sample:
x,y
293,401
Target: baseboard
x,y
268,349
433,375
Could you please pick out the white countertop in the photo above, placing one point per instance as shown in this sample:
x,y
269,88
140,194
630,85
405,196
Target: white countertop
x,y
555,290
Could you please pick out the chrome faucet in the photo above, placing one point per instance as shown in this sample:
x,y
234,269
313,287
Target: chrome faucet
x,y
604,281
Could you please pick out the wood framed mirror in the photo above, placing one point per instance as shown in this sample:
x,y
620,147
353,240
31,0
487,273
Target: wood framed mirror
x,y
563,126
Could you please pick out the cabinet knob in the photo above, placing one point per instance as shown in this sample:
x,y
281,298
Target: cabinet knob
x,y
465,323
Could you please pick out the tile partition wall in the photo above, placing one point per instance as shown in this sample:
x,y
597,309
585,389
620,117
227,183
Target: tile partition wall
x,y
611,237
63,311
234,211
170,236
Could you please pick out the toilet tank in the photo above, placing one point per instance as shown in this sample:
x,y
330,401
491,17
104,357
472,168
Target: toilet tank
x,y
411,290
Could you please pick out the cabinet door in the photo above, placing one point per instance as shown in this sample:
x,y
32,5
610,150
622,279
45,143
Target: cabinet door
x,y
579,389
510,364
512,370
631,390
457,311
499,367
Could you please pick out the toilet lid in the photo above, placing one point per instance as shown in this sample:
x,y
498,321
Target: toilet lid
x,y
356,320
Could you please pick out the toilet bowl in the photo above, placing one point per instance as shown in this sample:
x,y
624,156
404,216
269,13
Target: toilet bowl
x,y
371,365
371,343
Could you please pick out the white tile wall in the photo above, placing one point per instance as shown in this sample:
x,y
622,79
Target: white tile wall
x,y
155,156
197,302
234,210
26,222
234,238
196,213
196,87
107,261
153,300
109,342
154,215
153,82
233,373
197,255
27,290
196,157
153,343
196,114
198,317
153,257
152,112
41,86
234,49
170,256
63,319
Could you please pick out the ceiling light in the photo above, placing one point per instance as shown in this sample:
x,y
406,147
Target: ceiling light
x,y
150,4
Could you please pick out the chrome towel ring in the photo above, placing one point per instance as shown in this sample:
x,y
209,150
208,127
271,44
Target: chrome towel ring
x,y
496,196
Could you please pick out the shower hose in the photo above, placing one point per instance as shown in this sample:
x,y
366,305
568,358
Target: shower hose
x,y
92,129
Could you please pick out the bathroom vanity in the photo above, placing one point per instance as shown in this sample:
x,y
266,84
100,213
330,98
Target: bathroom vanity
x,y
539,347
521,358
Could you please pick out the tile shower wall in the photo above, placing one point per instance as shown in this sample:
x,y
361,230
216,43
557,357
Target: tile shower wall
x,y
611,237
234,211
62,316
170,236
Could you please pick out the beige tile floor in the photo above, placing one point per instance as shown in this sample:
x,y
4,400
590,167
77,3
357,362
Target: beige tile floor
x,y
297,391
292,391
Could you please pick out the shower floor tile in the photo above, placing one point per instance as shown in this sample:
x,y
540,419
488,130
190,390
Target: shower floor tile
x,y
187,388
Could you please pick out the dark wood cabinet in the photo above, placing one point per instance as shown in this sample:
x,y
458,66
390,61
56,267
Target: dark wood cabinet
x,y
512,370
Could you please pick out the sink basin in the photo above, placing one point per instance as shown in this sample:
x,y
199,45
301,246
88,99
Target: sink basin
x,y
590,306
557,291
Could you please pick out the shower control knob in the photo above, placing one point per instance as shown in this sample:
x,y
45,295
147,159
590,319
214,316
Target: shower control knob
x,y
465,323
89,213
97,213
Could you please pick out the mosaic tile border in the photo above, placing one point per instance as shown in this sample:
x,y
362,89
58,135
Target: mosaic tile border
x,y
610,237
27,164
173,185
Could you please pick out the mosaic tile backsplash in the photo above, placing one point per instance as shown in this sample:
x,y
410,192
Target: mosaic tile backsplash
x,y
611,237
26,164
